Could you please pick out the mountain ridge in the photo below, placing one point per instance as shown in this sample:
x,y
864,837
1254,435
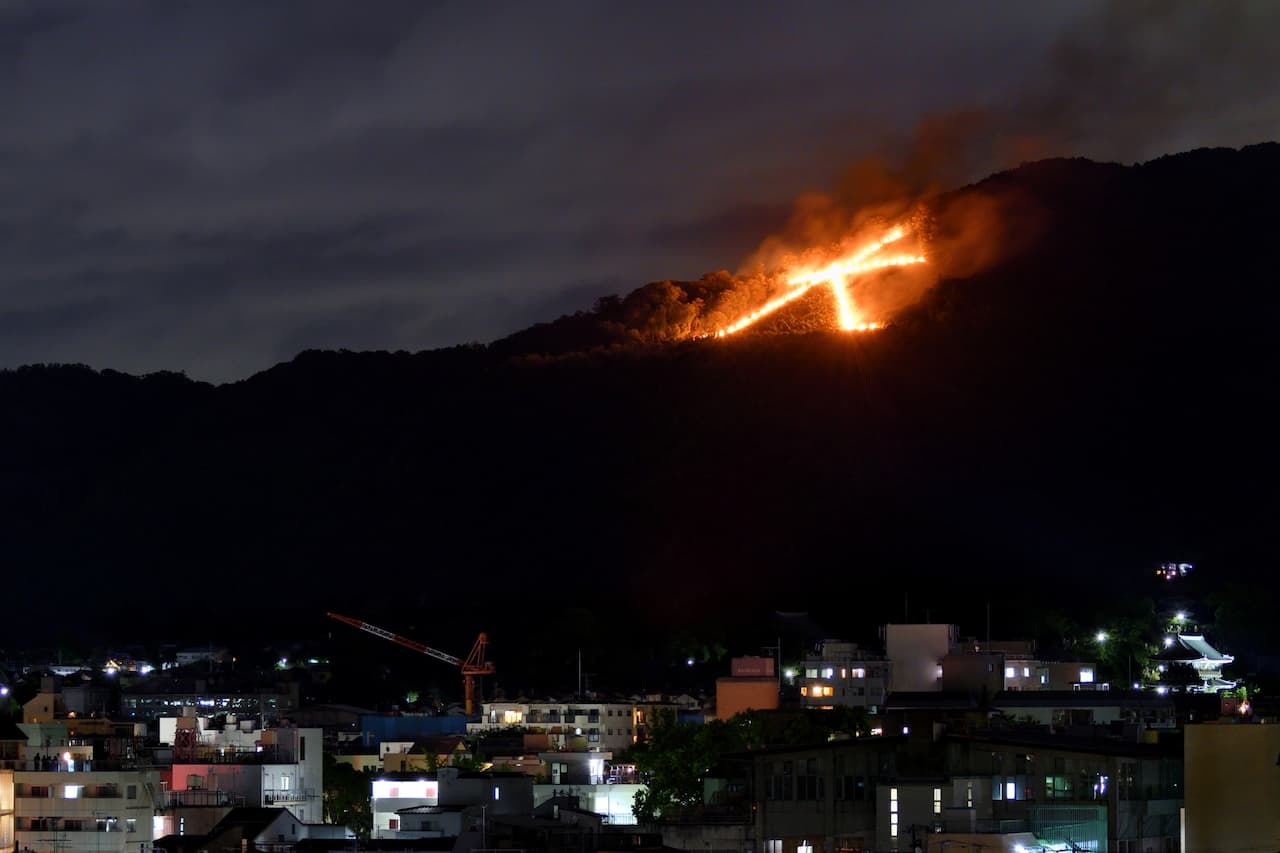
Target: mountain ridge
x,y
1074,411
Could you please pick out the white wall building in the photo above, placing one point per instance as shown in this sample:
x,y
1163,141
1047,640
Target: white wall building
x,y
96,811
255,767
420,805
595,726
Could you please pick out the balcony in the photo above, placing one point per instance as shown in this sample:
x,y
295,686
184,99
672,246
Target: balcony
x,y
276,796
196,798
85,792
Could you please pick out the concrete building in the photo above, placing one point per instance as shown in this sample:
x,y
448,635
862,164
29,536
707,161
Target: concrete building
x,y
75,811
1233,788
588,781
250,830
752,685
840,673
163,695
991,672
6,810
576,725
425,805
915,653
892,793
253,766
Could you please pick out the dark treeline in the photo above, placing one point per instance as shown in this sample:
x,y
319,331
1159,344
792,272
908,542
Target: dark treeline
x,y
1042,431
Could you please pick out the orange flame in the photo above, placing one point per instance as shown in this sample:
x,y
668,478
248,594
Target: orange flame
x,y
836,275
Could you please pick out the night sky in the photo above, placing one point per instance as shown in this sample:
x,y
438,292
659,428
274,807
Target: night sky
x,y
212,187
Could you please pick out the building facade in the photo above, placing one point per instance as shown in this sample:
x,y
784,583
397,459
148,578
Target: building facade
x,y
840,673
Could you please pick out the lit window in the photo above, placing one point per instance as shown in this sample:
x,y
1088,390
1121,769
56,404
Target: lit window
x,y
1086,676
859,672
804,691
844,673
1010,672
968,795
1010,790
72,792
829,671
811,673
937,801
1026,672
1044,679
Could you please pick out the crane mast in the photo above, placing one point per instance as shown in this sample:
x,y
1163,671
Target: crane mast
x,y
473,667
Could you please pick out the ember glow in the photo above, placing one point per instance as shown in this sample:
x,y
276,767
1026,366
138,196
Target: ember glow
x,y
836,275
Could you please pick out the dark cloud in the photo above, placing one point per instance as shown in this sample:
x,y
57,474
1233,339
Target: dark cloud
x,y
206,186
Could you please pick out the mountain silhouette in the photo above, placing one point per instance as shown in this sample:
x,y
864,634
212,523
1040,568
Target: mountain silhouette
x,y
1050,423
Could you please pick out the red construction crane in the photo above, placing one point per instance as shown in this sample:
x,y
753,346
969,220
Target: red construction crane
x,y
472,668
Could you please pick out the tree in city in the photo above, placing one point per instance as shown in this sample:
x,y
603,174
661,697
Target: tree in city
x,y
347,796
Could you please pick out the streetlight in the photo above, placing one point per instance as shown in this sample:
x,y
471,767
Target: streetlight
x,y
1101,636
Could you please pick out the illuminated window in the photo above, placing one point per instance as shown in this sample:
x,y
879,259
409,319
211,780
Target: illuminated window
x,y
844,673
893,802
804,691
72,792
1086,676
1044,679
1010,790
859,672
811,673
968,795
829,671
937,801
1026,672
1010,672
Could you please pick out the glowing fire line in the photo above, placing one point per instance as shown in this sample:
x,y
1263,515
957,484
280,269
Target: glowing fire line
x,y
766,309
835,275
849,265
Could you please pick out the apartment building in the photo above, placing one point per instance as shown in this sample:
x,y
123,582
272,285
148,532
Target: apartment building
x,y
580,724
252,766
840,673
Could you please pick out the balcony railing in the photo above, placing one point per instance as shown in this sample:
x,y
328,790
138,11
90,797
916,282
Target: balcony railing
x,y
196,798
292,795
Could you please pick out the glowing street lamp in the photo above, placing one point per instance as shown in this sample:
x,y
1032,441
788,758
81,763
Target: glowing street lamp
x,y
1168,641
1179,617
1101,636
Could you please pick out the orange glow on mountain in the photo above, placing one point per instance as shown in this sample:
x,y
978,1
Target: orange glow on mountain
x,y
836,275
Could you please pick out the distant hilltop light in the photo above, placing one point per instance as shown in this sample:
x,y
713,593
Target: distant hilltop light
x,y
1171,571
